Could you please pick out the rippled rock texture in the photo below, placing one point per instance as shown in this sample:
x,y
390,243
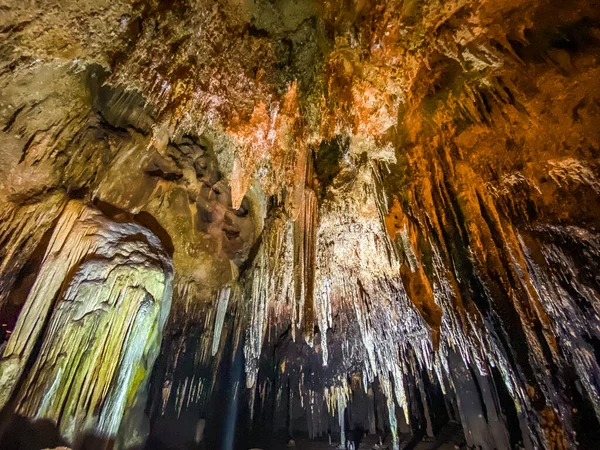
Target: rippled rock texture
x,y
95,313
348,215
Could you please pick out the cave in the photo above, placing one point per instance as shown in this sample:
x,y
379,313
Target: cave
x,y
299,224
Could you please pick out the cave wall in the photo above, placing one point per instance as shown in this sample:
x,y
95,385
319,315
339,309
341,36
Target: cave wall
x,y
391,208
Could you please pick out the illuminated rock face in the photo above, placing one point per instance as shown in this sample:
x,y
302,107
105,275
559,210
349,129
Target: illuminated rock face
x,y
382,215
96,311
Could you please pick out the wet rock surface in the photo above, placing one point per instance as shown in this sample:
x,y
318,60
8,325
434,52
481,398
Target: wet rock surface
x,y
301,218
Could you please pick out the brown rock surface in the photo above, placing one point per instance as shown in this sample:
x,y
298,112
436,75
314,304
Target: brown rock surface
x,y
390,207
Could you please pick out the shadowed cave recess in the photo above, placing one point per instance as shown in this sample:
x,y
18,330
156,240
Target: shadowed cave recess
x,y
269,224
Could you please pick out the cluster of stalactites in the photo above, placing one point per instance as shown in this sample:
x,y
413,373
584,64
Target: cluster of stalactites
x,y
357,279
343,264
203,347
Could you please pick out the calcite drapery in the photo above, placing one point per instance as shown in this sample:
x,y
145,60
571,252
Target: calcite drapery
x,y
96,312
450,219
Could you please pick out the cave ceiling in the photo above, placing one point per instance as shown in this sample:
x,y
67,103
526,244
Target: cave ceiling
x,y
390,202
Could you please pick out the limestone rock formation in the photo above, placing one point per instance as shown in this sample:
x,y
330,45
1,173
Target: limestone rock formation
x,y
96,312
349,216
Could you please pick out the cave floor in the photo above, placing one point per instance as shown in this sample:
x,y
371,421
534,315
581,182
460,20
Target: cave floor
x,y
312,445
450,438
369,443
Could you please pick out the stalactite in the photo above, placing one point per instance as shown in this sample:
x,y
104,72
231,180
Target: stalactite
x,y
387,391
305,229
222,303
21,232
379,202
